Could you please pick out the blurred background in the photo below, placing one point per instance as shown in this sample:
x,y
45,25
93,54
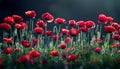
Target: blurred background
x,y
68,9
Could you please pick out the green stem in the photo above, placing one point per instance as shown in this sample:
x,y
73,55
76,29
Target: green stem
x,y
107,42
58,35
32,21
16,34
81,39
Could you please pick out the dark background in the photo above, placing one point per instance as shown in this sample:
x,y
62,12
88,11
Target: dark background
x,y
68,9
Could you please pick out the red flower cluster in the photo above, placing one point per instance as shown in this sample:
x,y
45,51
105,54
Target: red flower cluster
x,y
75,29
30,57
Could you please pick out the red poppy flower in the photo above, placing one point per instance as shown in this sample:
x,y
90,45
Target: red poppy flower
x,y
17,18
110,19
60,21
72,57
7,51
44,61
97,50
47,17
9,20
109,29
63,45
115,25
90,24
40,23
17,49
55,37
54,53
48,33
18,26
73,32
24,41
116,37
68,39
64,31
34,54
81,23
39,30
26,44
31,13
24,59
72,22
1,62
5,26
35,41
102,19
23,25
8,40
115,45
